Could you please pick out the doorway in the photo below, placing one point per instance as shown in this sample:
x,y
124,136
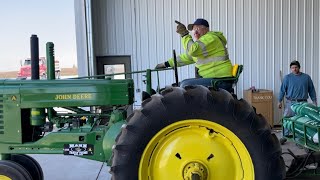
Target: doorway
x,y
114,64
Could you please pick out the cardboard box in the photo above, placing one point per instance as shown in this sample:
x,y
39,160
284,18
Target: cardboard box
x,y
262,100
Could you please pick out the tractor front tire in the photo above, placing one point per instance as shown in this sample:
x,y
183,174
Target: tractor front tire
x,y
30,164
10,170
190,132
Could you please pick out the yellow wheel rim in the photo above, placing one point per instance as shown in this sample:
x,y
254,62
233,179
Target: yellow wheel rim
x,y
2,177
195,148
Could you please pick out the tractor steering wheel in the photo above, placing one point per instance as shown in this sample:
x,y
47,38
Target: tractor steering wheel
x,y
175,68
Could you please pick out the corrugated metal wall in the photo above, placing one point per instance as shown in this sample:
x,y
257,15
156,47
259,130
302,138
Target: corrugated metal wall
x,y
263,35
79,8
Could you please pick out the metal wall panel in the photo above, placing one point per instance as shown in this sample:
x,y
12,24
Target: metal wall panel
x,y
263,35
79,9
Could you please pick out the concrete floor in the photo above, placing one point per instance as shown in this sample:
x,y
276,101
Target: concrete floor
x,y
58,167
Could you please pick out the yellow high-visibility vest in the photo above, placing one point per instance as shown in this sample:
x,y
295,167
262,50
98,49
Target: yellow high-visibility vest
x,y
209,54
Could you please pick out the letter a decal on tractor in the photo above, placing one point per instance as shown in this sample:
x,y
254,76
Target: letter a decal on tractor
x,y
13,98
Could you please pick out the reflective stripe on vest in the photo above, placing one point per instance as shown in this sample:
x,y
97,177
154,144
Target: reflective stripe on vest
x,y
190,43
189,57
204,49
201,44
212,59
180,62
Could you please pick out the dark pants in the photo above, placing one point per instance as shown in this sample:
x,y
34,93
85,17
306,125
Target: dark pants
x,y
206,82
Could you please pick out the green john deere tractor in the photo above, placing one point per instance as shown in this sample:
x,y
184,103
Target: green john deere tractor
x,y
195,132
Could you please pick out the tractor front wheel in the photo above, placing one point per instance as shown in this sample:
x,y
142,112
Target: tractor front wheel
x,y
194,133
30,164
10,170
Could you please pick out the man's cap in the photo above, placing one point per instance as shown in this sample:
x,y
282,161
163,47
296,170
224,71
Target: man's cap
x,y
295,63
198,22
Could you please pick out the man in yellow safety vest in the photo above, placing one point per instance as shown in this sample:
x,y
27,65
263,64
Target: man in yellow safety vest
x,y
208,51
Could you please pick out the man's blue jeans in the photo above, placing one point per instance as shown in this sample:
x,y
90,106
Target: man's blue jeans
x,y
288,113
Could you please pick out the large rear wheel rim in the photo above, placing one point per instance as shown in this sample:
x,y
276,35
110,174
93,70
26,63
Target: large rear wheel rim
x,y
3,177
195,146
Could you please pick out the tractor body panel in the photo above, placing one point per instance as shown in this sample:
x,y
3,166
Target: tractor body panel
x,y
79,133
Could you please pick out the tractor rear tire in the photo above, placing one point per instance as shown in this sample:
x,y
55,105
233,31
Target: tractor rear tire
x,y
156,126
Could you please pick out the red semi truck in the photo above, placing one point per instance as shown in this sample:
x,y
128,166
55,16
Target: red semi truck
x,y
25,69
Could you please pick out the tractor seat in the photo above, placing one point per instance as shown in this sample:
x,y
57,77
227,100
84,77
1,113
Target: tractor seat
x,y
226,83
236,71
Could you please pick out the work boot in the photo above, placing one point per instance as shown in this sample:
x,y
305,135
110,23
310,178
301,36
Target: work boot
x,y
283,140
